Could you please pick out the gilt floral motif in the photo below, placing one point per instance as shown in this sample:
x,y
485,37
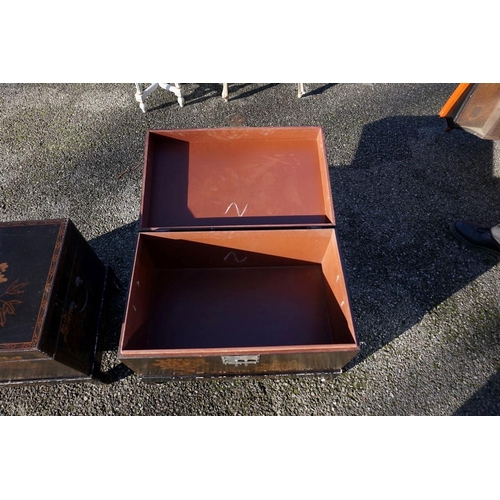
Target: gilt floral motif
x,y
8,299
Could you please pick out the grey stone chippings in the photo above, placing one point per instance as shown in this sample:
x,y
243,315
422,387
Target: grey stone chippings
x,y
426,307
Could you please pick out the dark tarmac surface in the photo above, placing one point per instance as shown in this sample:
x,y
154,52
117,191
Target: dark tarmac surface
x,y
426,307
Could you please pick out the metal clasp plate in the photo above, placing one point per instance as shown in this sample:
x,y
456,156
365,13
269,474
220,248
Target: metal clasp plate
x,y
241,360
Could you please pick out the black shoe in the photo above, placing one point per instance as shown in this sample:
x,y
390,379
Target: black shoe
x,y
476,235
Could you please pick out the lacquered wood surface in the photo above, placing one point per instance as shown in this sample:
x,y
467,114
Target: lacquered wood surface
x,y
30,253
65,283
210,365
37,371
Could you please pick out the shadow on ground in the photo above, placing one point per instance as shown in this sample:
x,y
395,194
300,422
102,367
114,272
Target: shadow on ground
x,y
201,92
485,402
409,180
117,249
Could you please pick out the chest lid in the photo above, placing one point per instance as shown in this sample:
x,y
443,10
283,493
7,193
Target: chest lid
x,y
29,252
235,177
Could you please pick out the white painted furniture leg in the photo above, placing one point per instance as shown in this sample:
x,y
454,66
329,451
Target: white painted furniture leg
x,y
180,95
176,89
225,91
142,94
300,90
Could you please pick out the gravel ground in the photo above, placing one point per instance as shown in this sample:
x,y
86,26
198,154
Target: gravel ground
x,y
426,307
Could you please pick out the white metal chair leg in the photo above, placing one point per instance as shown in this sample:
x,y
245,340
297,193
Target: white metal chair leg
x,y
142,94
176,89
139,97
180,95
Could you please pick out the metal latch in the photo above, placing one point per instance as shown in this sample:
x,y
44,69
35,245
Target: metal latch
x,y
240,360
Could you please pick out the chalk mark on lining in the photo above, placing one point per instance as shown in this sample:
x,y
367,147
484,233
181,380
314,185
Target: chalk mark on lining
x,y
237,209
236,258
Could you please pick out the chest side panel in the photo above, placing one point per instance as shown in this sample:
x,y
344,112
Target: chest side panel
x,y
28,370
206,366
78,306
